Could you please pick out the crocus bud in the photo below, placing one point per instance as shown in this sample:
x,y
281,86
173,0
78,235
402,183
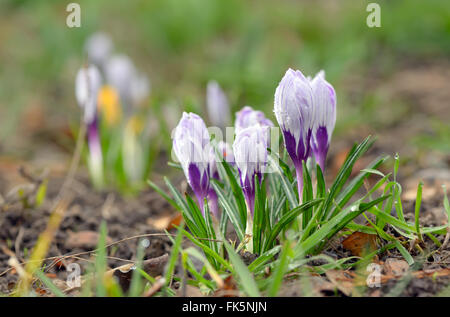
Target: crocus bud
x,y
247,117
87,86
120,72
250,152
324,117
192,148
293,109
217,105
98,47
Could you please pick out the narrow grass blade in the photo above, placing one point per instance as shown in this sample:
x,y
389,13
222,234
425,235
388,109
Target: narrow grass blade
x,y
280,269
48,283
287,186
245,277
417,210
288,218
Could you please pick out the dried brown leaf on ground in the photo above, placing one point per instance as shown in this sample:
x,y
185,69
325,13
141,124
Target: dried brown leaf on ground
x,y
395,267
84,240
342,280
359,243
166,221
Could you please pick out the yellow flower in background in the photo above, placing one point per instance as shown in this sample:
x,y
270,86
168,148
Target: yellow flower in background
x,y
135,125
109,105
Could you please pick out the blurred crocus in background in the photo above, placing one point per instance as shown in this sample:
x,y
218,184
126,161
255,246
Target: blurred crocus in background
x,y
192,147
120,73
87,85
217,105
324,117
98,48
248,117
293,107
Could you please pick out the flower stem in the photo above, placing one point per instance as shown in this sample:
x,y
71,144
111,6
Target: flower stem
x,y
299,172
249,231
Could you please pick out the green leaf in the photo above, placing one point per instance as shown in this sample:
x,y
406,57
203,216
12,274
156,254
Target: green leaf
x,y
259,216
343,175
48,283
41,193
287,186
100,261
206,249
163,194
417,210
333,226
174,255
245,277
259,262
280,269
287,218
232,213
404,252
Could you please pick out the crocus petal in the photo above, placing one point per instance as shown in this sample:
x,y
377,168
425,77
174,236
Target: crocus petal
x,y
247,117
120,72
98,48
293,109
87,86
217,105
192,148
324,117
250,151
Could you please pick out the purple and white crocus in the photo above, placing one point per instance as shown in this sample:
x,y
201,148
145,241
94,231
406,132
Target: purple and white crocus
x,y
324,117
294,110
87,85
248,117
192,148
217,105
250,154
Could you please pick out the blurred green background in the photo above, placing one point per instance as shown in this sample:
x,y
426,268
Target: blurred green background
x,y
392,81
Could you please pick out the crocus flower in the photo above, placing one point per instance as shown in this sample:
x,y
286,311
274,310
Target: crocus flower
x,y
217,105
247,117
120,73
98,48
192,148
324,117
293,109
87,86
250,152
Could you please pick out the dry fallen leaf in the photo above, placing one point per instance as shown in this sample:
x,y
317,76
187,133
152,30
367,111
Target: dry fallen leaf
x,y
167,221
395,267
190,291
341,280
84,240
359,242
